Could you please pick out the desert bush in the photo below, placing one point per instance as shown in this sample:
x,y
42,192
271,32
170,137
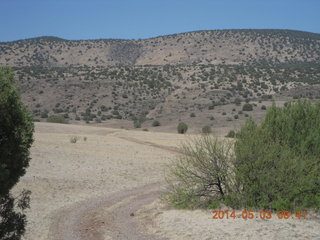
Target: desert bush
x,y
192,115
201,175
263,107
137,123
274,165
74,139
155,123
44,114
182,127
237,101
206,129
57,119
247,107
231,134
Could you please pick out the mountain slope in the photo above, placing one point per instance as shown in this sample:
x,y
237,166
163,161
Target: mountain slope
x,y
200,47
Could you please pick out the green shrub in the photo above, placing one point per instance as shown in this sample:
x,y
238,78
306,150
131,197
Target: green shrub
x,y
237,101
137,123
247,107
155,123
274,165
200,175
74,139
277,162
231,134
206,129
57,119
44,114
263,107
182,127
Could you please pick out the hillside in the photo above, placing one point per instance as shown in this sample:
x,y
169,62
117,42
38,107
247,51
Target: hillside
x,y
200,47
130,92
165,78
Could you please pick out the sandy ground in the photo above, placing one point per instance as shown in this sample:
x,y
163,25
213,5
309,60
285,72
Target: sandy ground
x,y
62,173
106,187
197,224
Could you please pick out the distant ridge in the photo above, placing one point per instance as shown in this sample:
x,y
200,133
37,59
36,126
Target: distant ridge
x,y
242,46
296,33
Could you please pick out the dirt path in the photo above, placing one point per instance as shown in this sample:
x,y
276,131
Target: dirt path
x,y
167,148
86,220
111,215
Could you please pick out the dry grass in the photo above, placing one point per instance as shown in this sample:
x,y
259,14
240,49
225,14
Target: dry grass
x,y
62,173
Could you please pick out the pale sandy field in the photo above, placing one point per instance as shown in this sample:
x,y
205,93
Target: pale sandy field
x,y
89,189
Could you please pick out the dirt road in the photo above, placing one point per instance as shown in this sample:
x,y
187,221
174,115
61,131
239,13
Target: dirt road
x,y
112,216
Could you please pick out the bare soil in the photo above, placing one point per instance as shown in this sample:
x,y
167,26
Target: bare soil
x,y
107,187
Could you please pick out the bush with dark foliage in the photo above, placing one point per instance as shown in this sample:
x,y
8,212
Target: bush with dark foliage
x,y
16,137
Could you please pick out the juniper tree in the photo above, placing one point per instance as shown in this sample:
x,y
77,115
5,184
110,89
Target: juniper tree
x,y
16,137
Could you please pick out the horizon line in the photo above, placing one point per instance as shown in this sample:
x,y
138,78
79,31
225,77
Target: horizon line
x,y
159,36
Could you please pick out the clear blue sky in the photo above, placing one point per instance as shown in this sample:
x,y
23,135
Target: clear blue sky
x,y
133,19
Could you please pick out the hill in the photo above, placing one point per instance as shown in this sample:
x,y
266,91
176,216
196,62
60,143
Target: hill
x,y
166,78
200,47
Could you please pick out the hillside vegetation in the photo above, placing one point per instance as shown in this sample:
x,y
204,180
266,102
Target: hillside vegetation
x,y
97,80
128,92
200,47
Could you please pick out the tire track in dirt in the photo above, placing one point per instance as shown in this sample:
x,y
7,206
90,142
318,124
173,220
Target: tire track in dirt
x,y
151,144
84,220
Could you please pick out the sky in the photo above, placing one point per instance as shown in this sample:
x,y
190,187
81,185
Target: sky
x,y
139,19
